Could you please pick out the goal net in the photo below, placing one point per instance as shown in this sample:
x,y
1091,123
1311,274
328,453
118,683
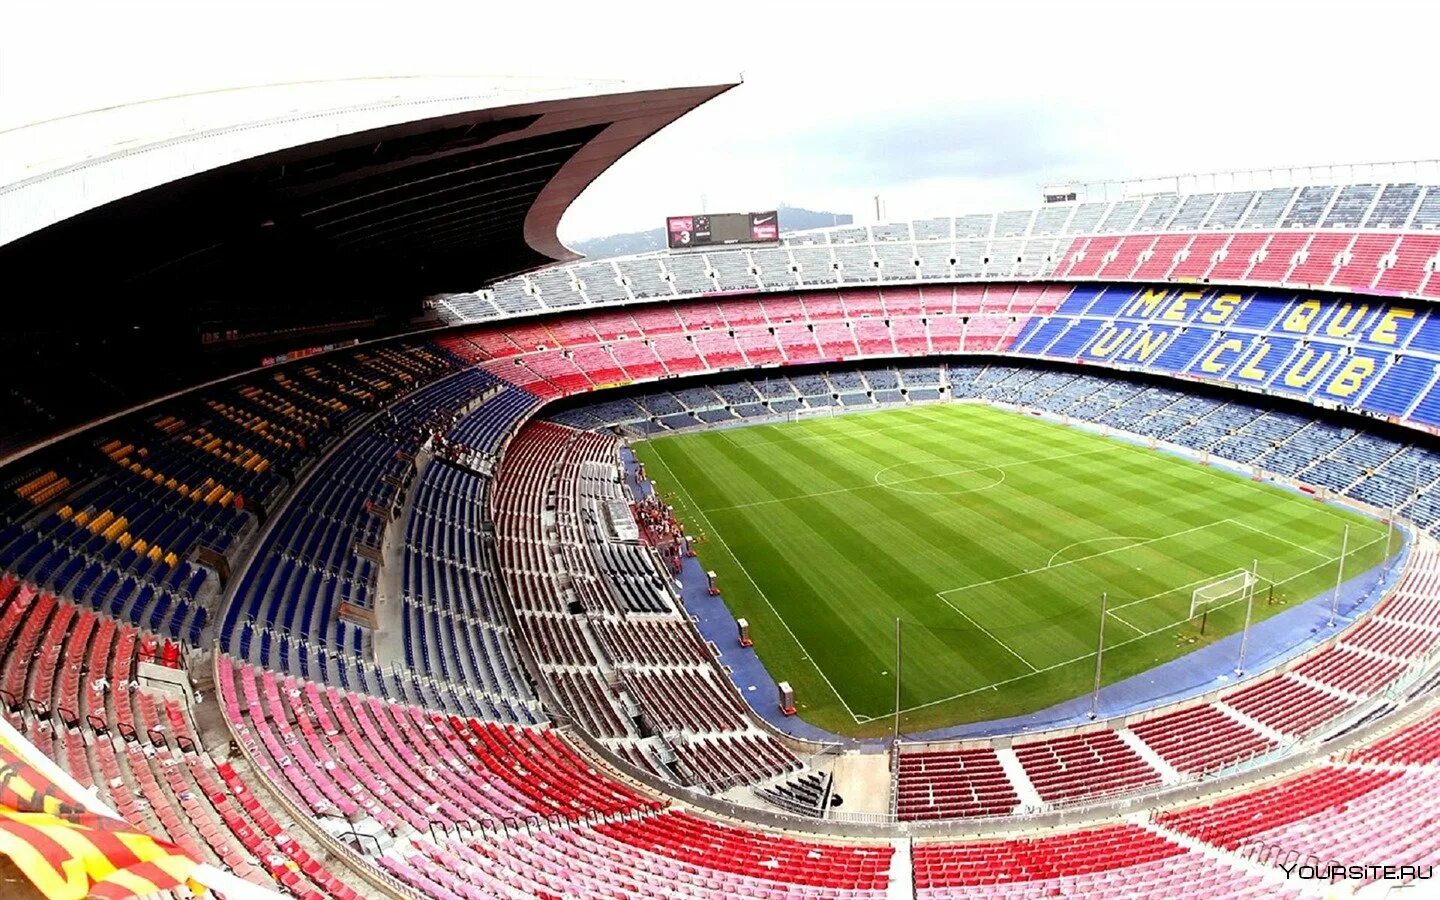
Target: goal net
x,y
808,412
1221,591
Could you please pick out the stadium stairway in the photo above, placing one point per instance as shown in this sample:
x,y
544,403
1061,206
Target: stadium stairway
x,y
1252,723
389,633
1268,875
1024,788
901,874
1168,773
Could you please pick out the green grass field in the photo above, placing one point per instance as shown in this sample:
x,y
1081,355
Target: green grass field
x,y
991,536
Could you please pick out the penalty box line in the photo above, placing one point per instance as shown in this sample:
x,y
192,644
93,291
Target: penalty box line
x,y
1011,650
1139,637
1324,561
1080,559
1007,647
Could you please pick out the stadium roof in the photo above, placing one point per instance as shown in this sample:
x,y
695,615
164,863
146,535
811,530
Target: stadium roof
x,y
417,184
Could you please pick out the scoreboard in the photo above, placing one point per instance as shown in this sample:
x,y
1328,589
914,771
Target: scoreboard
x,y
708,229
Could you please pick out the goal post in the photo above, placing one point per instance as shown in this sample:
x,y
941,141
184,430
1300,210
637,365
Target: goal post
x,y
808,412
1222,591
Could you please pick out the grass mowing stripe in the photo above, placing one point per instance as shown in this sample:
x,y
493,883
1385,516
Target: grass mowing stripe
x,y
1091,655
1007,647
701,513
822,569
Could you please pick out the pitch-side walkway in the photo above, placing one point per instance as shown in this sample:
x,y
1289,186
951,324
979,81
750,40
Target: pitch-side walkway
x,y
1279,638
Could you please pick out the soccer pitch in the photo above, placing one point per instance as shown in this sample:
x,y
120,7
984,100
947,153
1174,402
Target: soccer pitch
x,y
991,536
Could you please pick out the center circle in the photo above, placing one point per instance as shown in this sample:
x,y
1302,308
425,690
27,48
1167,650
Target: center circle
x,y
940,476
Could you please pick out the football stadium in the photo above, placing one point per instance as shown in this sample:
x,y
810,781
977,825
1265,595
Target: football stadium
x,y
360,539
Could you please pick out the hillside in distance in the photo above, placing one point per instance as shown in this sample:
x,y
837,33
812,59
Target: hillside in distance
x,y
791,219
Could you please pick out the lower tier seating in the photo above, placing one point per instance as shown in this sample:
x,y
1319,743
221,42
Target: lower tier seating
x,y
87,710
673,855
362,758
562,580
1123,862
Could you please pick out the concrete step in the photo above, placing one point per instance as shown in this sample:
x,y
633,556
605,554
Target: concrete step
x,y
1254,724
1168,773
1024,788
902,874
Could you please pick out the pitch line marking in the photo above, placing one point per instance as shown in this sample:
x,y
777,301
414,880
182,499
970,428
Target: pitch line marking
x,y
1090,655
991,636
1112,614
977,468
876,483
1281,539
710,526
1114,537
1113,443
1071,562
890,485
1223,472
1178,587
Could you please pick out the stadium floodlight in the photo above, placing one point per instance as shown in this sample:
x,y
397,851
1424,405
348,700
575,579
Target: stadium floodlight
x,y
1099,655
1221,592
1339,575
1249,611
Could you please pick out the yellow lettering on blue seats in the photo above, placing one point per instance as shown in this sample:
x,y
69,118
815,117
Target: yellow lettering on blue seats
x,y
1108,341
1301,317
1175,312
1146,304
1299,376
1346,320
1251,371
1147,346
1221,308
1351,377
1212,361
1386,331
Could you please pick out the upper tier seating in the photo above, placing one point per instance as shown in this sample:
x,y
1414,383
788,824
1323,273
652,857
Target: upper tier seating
x,y
131,522
1252,338
1227,237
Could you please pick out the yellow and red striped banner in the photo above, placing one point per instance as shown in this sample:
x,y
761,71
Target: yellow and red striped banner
x,y
70,853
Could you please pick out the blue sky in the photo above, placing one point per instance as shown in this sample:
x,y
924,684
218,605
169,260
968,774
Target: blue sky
x,y
937,107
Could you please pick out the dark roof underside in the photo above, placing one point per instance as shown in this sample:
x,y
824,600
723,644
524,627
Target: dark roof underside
x,y
395,214
334,240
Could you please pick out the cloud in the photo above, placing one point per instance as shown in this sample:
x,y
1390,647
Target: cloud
x,y
940,107
881,150
926,159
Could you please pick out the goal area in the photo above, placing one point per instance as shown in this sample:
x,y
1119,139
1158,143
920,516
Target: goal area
x,y
1221,591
